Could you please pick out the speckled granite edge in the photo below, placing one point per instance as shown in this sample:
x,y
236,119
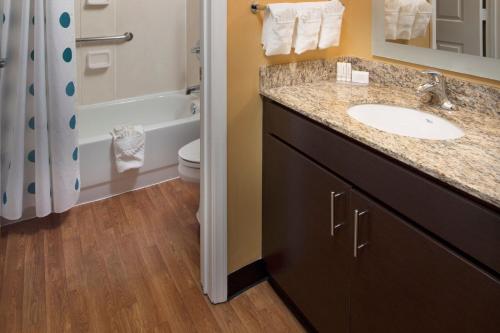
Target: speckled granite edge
x,y
466,95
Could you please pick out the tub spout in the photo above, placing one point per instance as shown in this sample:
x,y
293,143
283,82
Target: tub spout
x,y
192,89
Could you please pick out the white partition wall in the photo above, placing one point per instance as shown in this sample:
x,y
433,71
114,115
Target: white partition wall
x,y
214,151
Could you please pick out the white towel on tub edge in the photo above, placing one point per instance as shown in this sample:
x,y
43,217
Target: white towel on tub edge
x,y
129,143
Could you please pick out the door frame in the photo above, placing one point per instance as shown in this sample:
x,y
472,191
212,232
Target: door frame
x,y
493,29
213,184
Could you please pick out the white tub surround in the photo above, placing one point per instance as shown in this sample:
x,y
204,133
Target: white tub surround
x,y
155,61
169,124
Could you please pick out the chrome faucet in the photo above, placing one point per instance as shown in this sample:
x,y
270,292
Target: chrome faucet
x,y
192,89
437,87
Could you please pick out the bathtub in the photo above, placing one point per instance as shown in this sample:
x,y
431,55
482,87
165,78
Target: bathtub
x,y
169,122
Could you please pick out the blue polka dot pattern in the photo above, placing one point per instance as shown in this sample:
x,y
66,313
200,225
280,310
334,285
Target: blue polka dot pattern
x,y
4,198
67,54
59,22
31,188
65,20
31,123
70,89
31,156
72,122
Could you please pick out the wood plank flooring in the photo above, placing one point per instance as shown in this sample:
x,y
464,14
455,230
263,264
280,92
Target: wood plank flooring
x,y
126,264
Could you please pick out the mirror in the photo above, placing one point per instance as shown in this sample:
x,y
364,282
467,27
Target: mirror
x,y
458,35
470,27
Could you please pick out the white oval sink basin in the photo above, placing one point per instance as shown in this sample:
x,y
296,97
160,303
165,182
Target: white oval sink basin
x,y
406,122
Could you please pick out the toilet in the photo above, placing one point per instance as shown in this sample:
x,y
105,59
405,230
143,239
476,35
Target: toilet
x,y
189,164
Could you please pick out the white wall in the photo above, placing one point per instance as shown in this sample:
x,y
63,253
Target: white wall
x,y
155,61
193,36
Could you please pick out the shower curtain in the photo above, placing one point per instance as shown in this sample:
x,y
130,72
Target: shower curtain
x,y
38,132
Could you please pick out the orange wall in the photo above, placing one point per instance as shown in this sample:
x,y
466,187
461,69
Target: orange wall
x,y
245,56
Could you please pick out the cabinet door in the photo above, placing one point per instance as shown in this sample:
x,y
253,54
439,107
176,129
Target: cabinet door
x,y
403,281
303,258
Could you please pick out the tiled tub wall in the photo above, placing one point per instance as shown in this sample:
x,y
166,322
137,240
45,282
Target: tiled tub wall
x,y
157,60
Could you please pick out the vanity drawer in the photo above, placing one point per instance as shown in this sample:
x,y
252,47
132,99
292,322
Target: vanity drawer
x,y
450,215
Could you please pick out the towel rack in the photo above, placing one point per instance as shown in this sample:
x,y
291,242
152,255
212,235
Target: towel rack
x,y
256,7
126,37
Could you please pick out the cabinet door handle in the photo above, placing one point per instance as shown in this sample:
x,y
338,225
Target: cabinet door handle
x,y
357,247
334,226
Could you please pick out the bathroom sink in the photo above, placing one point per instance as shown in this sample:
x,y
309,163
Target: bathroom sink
x,y
406,122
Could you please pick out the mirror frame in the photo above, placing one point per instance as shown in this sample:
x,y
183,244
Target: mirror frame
x,y
461,63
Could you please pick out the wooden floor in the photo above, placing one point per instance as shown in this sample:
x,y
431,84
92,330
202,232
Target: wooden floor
x,y
126,264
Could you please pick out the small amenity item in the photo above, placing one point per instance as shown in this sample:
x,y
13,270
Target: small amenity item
x,y
344,70
360,77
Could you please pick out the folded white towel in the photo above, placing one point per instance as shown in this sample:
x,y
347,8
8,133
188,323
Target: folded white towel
x,y
422,19
128,144
407,14
308,26
331,26
391,18
279,25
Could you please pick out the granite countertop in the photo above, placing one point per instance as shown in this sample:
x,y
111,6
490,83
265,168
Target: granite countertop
x,y
471,163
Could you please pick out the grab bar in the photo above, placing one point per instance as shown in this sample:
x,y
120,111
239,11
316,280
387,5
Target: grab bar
x,y
126,37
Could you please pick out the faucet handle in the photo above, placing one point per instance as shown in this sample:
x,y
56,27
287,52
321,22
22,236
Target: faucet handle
x,y
434,74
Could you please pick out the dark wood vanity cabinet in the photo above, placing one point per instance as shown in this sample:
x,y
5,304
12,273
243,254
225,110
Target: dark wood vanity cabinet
x,y
351,263
404,281
310,264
